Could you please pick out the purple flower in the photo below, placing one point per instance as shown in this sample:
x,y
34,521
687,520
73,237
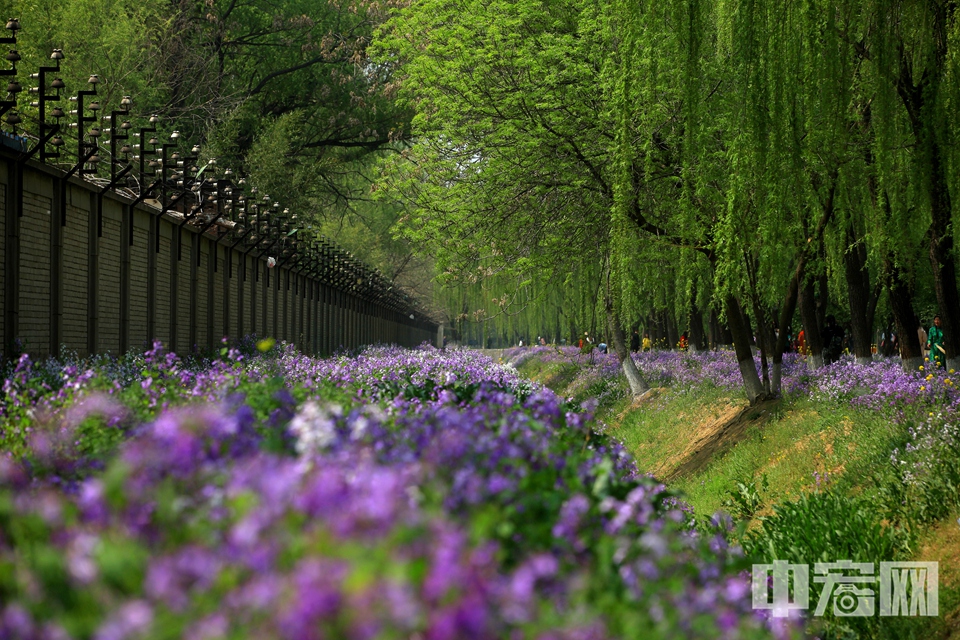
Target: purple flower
x,y
130,620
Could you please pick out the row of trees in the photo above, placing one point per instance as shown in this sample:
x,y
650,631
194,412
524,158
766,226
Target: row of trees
x,y
752,159
572,162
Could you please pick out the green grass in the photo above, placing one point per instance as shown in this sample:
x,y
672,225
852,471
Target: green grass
x,y
661,429
841,445
554,375
774,463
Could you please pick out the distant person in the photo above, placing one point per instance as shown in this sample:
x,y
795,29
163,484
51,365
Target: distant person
x,y
647,342
938,354
802,343
635,341
922,335
888,344
586,343
683,341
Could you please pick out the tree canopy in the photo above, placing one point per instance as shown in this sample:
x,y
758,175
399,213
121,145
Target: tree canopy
x,y
725,162
736,170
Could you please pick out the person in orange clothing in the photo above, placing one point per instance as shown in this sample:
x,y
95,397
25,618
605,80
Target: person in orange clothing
x,y
802,343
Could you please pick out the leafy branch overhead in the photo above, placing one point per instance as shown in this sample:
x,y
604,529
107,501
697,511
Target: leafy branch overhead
x,y
231,74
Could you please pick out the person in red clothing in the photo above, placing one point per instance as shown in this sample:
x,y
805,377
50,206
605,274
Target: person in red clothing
x,y
801,343
586,343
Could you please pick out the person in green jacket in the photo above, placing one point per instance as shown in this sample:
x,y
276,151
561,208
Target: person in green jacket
x,y
935,344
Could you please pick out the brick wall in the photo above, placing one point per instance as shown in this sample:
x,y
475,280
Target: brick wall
x,y
182,303
138,335
3,248
283,317
269,283
127,267
35,271
219,270
108,285
203,296
252,299
73,280
233,280
256,308
291,301
162,292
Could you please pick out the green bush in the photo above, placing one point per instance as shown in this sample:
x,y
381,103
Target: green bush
x,y
829,527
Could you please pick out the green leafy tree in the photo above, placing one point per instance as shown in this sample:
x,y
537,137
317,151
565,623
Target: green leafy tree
x,y
509,175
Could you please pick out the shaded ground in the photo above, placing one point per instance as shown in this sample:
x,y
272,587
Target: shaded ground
x,y
942,544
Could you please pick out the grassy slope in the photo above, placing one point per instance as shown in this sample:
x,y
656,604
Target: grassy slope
x,y
800,446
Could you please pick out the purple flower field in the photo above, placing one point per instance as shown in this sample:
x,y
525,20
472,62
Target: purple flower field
x,y
881,385
397,494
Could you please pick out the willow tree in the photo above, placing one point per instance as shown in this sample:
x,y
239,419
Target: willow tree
x,y
510,171
678,180
910,48
861,91
792,78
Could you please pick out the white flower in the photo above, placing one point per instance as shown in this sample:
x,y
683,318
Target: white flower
x,y
315,427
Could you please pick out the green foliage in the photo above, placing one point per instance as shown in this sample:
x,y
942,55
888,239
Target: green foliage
x,y
282,92
920,481
824,527
746,500
695,148
828,527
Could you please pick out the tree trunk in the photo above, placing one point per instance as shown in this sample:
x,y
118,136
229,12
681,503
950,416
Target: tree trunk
x,y
823,296
811,328
762,345
901,303
748,327
741,344
786,316
723,331
672,336
658,331
713,333
918,90
872,307
638,385
944,270
858,295
697,341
